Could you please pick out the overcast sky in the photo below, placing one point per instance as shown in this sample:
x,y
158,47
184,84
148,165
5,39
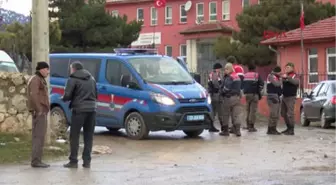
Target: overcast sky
x,y
19,6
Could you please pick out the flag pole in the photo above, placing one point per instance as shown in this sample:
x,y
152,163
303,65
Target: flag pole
x,y
302,50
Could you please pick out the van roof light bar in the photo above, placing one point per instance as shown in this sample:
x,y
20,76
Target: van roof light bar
x,y
135,51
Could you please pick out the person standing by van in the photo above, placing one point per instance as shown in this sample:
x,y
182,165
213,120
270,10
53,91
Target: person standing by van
x,y
252,86
274,92
81,91
230,92
290,86
39,106
214,83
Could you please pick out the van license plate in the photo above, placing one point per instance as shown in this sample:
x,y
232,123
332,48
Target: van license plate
x,y
195,117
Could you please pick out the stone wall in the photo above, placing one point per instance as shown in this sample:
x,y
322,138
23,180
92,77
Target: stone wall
x,y
14,114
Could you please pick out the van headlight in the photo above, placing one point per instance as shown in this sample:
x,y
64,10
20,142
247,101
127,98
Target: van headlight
x,y
162,99
209,100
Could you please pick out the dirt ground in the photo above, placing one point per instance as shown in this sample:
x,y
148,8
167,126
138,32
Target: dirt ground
x,y
308,158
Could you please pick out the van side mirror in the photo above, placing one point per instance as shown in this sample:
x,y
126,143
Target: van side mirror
x,y
125,81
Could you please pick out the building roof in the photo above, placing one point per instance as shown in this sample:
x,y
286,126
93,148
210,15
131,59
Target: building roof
x,y
209,27
323,29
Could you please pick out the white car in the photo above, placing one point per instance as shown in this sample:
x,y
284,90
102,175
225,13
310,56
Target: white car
x,y
7,64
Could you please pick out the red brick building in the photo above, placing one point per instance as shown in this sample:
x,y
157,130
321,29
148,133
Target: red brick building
x,y
319,50
177,32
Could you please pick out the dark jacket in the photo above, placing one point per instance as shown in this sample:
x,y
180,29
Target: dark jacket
x,y
253,83
214,83
81,91
38,95
231,85
290,85
274,85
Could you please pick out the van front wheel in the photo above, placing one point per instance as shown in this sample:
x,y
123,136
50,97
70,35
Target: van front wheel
x,y
135,126
193,133
59,124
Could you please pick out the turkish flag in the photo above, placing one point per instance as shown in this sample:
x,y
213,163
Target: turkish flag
x,y
302,24
160,3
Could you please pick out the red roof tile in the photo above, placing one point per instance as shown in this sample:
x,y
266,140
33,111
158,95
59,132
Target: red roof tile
x,y
209,27
323,29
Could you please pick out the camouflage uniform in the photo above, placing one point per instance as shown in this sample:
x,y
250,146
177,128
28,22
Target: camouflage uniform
x,y
273,100
230,91
252,86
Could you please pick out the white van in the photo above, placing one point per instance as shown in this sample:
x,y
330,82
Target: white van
x,y
7,64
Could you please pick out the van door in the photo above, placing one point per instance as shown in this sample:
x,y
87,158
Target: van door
x,y
93,65
120,95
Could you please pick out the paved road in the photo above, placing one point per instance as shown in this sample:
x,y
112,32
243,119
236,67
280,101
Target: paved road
x,y
170,159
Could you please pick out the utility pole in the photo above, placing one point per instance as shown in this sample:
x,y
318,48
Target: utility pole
x,y
40,41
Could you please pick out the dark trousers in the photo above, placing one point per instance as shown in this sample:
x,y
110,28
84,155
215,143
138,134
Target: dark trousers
x,y
287,110
39,129
273,101
231,108
251,108
216,106
87,121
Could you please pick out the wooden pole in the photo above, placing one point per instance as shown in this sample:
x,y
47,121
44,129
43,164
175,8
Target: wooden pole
x,y
40,41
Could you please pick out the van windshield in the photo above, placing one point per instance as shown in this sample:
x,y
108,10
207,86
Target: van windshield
x,y
8,67
161,70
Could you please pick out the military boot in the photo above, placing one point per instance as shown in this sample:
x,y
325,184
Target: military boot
x,y
272,131
290,131
213,128
287,129
252,128
237,130
232,130
225,131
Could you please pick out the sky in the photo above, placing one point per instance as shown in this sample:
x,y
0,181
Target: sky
x,y
19,6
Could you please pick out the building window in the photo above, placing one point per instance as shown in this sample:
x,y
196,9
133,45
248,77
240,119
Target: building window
x,y
226,10
154,16
245,3
169,50
212,11
331,63
200,12
183,50
140,14
169,15
183,14
312,66
115,13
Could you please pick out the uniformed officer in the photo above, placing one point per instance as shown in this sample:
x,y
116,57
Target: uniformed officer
x,y
239,70
214,82
252,86
38,103
290,85
230,92
273,99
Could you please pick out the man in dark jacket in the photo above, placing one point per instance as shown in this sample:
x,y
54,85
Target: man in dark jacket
x,y
252,86
290,86
214,83
230,92
81,91
274,92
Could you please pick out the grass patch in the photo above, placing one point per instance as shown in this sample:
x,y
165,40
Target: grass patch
x,y
15,148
